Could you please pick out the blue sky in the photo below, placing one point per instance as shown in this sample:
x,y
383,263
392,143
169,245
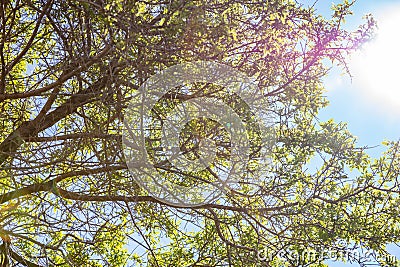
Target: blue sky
x,y
366,119
349,102
371,121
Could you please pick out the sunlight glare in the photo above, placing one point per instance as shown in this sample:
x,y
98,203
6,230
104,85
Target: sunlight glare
x,y
376,68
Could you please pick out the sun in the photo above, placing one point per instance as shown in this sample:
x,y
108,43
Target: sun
x,y
376,68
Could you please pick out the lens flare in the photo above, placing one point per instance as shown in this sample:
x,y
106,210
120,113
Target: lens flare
x,y
376,67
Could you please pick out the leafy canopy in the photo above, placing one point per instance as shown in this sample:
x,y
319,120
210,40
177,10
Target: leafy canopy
x,y
69,69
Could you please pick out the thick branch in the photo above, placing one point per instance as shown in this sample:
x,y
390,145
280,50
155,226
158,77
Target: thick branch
x,y
114,198
49,186
31,128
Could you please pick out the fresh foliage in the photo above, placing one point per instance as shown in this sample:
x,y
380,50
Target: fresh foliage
x,y
70,68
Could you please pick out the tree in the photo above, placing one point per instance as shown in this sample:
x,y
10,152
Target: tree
x,y
71,68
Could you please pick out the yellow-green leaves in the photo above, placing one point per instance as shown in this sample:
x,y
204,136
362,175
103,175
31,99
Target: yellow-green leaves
x,y
141,8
